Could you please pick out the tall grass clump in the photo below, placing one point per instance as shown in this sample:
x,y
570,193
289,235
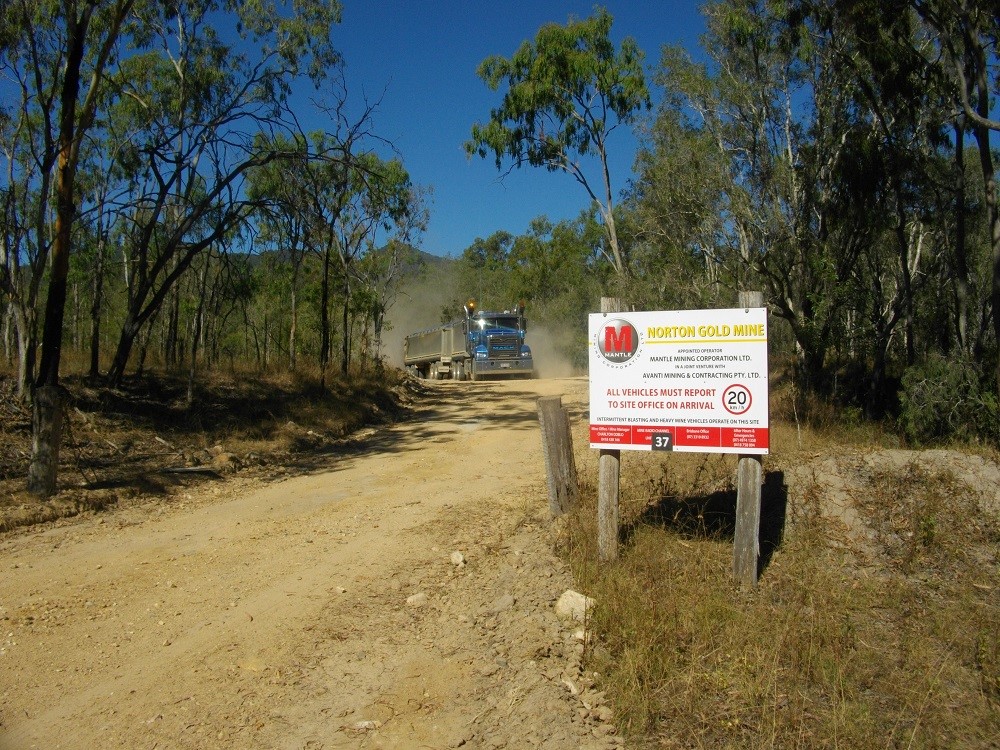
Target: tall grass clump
x,y
892,646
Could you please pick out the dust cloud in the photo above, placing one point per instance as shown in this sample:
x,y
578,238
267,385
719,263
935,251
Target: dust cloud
x,y
418,306
550,360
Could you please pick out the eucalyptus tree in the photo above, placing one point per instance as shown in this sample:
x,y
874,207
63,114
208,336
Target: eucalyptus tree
x,y
966,35
280,190
24,243
52,49
378,203
556,268
326,189
222,286
48,51
200,103
543,267
891,157
566,93
799,210
677,204
921,72
558,271
382,270
74,58
383,273
265,319
484,270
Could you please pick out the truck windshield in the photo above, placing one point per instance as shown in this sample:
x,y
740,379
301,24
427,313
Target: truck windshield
x,y
499,321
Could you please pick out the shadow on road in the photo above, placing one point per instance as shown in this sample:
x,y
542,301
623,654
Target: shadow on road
x,y
439,413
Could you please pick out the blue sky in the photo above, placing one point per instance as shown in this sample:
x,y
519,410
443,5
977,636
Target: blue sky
x,y
420,60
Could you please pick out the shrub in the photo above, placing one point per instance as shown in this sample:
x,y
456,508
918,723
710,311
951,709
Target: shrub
x,y
945,400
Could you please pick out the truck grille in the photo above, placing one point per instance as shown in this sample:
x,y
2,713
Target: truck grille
x,y
505,347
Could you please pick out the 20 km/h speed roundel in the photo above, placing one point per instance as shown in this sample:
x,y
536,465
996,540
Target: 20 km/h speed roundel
x,y
682,380
737,399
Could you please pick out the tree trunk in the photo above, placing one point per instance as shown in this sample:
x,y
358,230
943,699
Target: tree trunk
x,y
266,351
293,328
8,334
170,354
378,321
345,349
47,416
993,211
906,280
145,334
130,329
23,328
961,278
196,332
75,321
55,306
980,85
46,437
95,313
324,350
877,380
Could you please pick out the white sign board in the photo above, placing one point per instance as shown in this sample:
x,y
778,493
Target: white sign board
x,y
689,380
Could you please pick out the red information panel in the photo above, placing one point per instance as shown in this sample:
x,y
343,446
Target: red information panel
x,y
612,434
681,437
744,437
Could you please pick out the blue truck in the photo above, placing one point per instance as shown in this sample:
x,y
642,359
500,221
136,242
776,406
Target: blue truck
x,y
480,345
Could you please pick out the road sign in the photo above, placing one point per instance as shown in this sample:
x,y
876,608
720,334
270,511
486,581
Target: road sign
x,y
690,380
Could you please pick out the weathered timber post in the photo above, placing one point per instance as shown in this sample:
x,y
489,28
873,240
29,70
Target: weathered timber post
x,y
557,447
608,481
749,474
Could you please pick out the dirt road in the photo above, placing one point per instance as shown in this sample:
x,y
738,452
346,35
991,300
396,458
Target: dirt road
x,y
399,597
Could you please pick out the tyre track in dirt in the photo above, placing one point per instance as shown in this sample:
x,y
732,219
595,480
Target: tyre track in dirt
x,y
322,611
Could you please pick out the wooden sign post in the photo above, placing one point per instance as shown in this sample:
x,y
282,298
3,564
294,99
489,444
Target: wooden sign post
x,y
681,381
608,479
749,473
557,448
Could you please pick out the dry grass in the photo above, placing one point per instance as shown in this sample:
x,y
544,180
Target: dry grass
x,y
889,641
125,443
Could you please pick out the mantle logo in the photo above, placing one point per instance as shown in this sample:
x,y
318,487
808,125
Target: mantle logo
x,y
618,341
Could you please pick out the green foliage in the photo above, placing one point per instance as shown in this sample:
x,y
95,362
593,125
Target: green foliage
x,y
570,80
301,39
814,158
484,271
567,91
944,400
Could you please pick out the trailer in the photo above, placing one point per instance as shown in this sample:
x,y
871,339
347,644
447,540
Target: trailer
x,y
482,344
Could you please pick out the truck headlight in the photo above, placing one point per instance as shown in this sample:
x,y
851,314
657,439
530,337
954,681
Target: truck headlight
x,y
525,352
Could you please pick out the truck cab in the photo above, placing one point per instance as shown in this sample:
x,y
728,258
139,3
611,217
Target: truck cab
x,y
496,343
